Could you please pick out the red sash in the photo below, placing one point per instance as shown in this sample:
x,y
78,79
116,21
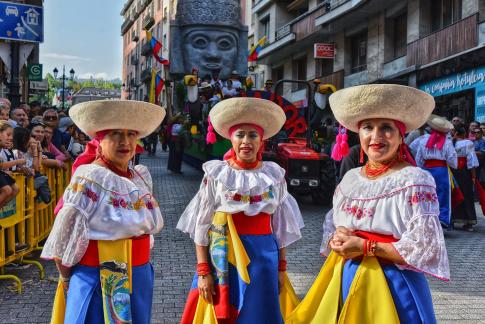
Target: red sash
x,y
252,225
434,163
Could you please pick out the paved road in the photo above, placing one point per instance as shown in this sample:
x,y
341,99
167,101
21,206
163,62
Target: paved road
x,y
460,301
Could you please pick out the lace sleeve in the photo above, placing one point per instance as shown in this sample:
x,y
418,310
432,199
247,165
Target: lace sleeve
x,y
68,240
197,217
422,245
287,220
328,230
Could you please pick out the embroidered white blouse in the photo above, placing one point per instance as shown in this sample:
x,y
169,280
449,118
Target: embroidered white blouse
x,y
466,148
447,153
403,204
228,190
100,205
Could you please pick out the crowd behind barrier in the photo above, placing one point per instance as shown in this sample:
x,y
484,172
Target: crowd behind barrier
x,y
31,221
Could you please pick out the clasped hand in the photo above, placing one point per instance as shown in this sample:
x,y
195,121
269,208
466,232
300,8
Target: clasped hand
x,y
346,244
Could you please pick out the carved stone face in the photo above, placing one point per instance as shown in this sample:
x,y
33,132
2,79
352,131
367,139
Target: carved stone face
x,y
211,50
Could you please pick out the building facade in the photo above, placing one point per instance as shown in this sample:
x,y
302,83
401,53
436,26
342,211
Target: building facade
x,y
435,45
138,61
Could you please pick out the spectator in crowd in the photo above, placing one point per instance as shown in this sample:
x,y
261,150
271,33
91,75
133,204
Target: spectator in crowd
x,y
471,130
35,109
5,102
215,80
176,145
479,143
482,128
20,117
268,85
50,150
8,188
79,144
457,121
60,139
4,112
31,150
229,91
236,83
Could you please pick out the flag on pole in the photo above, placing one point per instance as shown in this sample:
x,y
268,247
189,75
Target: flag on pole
x,y
254,51
156,47
156,86
152,86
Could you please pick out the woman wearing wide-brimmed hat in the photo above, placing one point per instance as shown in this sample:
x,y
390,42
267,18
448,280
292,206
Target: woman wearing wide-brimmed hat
x,y
435,153
102,233
241,220
383,232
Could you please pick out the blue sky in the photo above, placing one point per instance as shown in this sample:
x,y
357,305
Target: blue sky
x,y
83,35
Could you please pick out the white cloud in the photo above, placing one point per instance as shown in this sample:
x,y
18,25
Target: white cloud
x,y
58,56
96,76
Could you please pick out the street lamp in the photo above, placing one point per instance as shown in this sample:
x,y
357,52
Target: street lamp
x,y
63,77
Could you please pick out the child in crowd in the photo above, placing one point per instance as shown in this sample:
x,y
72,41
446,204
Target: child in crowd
x,y
8,188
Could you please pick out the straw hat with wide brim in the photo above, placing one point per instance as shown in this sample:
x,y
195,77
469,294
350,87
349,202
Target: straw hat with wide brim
x,y
261,112
95,116
390,101
439,123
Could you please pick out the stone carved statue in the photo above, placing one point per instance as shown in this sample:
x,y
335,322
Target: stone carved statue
x,y
208,35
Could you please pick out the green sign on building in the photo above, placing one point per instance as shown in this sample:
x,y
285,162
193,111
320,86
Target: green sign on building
x,y
35,72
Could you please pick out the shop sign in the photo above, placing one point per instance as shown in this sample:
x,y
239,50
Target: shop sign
x,y
35,72
39,85
455,83
480,104
324,51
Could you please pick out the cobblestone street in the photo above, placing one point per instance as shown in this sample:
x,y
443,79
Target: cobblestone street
x,y
460,301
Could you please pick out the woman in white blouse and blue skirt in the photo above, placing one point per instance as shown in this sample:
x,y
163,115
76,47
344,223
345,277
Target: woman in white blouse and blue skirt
x,y
241,220
103,230
383,232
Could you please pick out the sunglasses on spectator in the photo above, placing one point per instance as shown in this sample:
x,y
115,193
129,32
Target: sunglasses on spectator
x,y
50,118
478,132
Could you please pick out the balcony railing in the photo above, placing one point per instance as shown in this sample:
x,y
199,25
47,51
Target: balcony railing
x,y
146,49
148,21
146,74
125,7
126,25
450,40
303,25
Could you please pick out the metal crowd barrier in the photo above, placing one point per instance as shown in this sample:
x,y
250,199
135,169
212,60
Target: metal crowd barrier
x,y
27,221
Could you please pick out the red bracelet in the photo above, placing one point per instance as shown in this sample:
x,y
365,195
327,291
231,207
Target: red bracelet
x,y
203,269
364,248
282,265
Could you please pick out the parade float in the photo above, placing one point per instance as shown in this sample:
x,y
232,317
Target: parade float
x,y
210,44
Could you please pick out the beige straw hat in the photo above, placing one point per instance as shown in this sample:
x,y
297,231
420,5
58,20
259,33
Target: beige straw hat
x,y
94,116
405,104
439,123
264,113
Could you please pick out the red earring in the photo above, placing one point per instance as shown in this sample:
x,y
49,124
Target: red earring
x,y
361,159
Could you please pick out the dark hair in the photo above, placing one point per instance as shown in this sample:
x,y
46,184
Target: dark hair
x,y
460,130
21,137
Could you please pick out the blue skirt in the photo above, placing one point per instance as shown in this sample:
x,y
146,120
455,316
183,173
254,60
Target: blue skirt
x,y
443,190
257,302
409,289
84,298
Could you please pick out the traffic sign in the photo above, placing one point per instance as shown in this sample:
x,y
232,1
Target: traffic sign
x,y
21,22
35,72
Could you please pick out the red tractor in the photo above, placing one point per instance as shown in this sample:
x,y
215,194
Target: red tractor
x,y
308,170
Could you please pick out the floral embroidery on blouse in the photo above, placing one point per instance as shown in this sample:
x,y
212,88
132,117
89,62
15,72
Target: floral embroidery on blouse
x,y
137,205
357,211
425,196
79,187
251,199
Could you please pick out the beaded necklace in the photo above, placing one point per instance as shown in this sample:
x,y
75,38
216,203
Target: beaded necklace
x,y
375,169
